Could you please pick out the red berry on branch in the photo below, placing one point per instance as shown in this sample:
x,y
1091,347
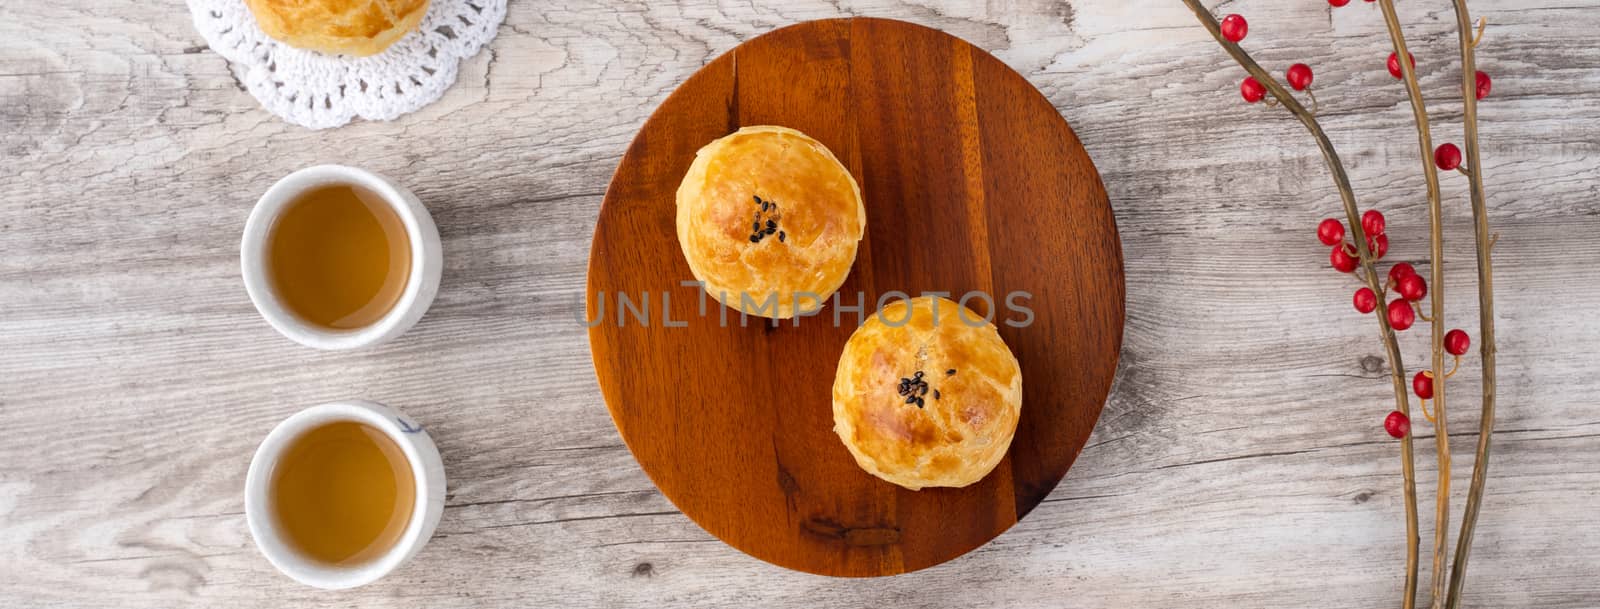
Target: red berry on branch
x,y
1400,315
1394,64
1234,28
1401,270
1379,245
1365,300
1338,3
1397,424
1447,156
1372,222
1411,287
1422,385
1251,89
1342,260
1456,342
1299,76
1330,232
1484,84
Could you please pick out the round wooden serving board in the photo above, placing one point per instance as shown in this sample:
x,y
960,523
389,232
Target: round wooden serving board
x,y
972,181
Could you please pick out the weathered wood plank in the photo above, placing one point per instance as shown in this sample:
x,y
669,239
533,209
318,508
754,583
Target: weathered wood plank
x,y
1239,463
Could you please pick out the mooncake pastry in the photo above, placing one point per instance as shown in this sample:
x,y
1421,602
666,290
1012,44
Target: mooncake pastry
x,y
769,221
349,27
933,401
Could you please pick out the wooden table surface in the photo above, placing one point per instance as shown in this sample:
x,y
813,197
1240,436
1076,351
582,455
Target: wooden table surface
x,y
1240,461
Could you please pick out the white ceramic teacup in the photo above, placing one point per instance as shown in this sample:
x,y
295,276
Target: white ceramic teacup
x,y
426,466
427,258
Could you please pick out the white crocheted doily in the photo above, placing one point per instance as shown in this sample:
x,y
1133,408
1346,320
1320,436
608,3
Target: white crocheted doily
x,y
318,91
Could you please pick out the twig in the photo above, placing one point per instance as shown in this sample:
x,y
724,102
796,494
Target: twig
x,y
1353,216
1485,242
1420,315
1436,242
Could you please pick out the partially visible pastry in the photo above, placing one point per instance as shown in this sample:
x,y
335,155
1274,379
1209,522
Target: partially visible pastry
x,y
769,221
933,401
349,27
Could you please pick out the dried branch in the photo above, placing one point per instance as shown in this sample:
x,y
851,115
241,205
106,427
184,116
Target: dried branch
x,y
1485,243
1370,276
1436,263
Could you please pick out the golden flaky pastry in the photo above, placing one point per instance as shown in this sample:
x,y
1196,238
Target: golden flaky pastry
x,y
350,27
769,220
933,401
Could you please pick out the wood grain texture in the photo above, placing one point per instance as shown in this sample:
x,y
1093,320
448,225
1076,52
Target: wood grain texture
x,y
973,185
1239,462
